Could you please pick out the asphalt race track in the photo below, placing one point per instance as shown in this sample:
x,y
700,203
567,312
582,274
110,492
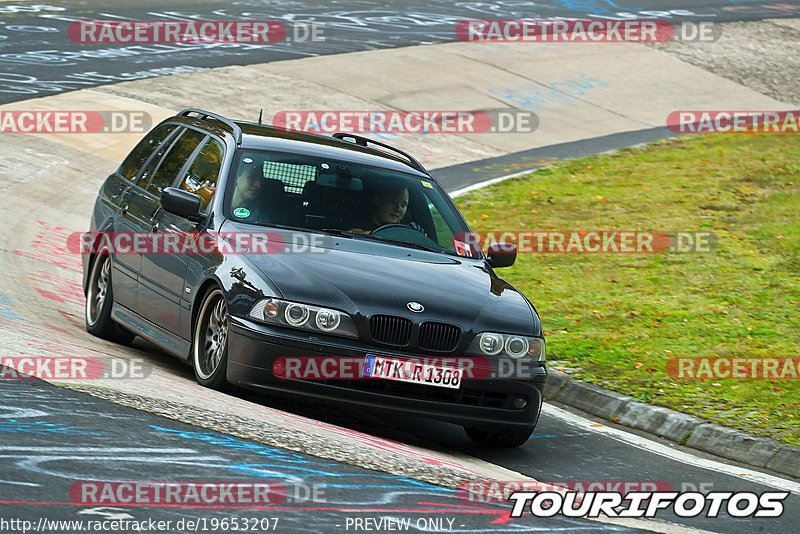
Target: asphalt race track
x,y
362,465
62,438
35,60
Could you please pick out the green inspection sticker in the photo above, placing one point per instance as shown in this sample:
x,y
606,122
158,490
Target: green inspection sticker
x,y
427,184
242,213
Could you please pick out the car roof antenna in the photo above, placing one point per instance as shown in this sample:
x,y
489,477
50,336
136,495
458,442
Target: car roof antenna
x,y
259,116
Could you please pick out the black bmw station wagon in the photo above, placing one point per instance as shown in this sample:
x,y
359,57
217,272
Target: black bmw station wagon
x,y
366,295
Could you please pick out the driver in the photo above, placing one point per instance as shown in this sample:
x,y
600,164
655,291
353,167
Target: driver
x,y
389,207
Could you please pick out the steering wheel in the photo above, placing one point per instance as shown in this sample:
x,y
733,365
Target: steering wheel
x,y
390,225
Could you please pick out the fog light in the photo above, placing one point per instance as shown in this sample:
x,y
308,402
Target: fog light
x,y
520,402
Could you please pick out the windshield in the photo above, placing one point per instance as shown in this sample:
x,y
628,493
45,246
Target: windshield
x,y
345,198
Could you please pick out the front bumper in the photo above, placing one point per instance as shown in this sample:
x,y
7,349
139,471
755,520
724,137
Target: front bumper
x,y
482,403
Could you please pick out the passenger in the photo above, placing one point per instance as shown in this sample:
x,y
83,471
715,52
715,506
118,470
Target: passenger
x,y
247,194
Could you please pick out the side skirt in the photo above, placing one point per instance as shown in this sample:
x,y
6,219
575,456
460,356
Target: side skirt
x,y
175,345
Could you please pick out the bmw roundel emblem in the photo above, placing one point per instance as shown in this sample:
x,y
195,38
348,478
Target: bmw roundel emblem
x,y
415,306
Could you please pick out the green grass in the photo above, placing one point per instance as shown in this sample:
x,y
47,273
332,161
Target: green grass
x,y
617,318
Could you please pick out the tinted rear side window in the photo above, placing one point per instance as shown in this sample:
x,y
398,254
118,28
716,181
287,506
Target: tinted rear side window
x,y
173,162
201,177
130,167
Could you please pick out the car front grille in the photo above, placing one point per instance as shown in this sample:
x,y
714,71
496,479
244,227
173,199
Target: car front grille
x,y
438,336
398,332
390,330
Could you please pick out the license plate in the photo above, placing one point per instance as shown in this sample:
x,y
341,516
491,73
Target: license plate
x,y
411,371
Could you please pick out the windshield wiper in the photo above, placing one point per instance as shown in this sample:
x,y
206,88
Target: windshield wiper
x,y
347,233
331,231
351,235
419,246
343,233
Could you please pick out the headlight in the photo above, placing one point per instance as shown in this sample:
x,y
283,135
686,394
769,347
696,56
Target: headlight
x,y
513,346
328,320
516,346
296,314
491,344
303,316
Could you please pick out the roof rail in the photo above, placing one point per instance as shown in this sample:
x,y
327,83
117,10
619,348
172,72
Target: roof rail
x,y
363,141
202,115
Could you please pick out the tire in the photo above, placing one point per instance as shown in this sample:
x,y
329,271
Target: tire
x,y
508,437
210,342
100,300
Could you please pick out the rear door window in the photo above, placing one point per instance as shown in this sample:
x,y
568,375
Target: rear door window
x,y
167,172
130,167
201,177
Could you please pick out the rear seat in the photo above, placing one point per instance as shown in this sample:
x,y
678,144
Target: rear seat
x,y
320,206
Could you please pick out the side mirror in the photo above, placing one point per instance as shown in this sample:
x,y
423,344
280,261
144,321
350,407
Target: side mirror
x,y
501,254
181,203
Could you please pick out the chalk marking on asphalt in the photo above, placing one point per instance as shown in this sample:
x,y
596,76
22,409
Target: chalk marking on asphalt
x,y
16,483
94,449
674,454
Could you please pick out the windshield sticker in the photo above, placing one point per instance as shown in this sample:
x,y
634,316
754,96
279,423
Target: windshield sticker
x,y
427,184
461,248
242,213
247,160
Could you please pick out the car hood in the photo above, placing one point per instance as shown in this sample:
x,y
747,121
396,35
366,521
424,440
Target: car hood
x,y
364,277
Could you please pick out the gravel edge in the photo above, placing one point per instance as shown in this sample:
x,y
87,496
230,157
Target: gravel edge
x,y
761,55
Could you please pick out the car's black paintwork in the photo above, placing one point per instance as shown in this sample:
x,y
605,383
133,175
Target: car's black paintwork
x,y
157,296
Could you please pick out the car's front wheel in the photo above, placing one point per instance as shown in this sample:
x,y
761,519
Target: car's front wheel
x,y
100,300
210,344
511,436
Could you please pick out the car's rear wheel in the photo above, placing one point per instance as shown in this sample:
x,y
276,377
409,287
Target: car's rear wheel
x,y
210,344
511,436
99,301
